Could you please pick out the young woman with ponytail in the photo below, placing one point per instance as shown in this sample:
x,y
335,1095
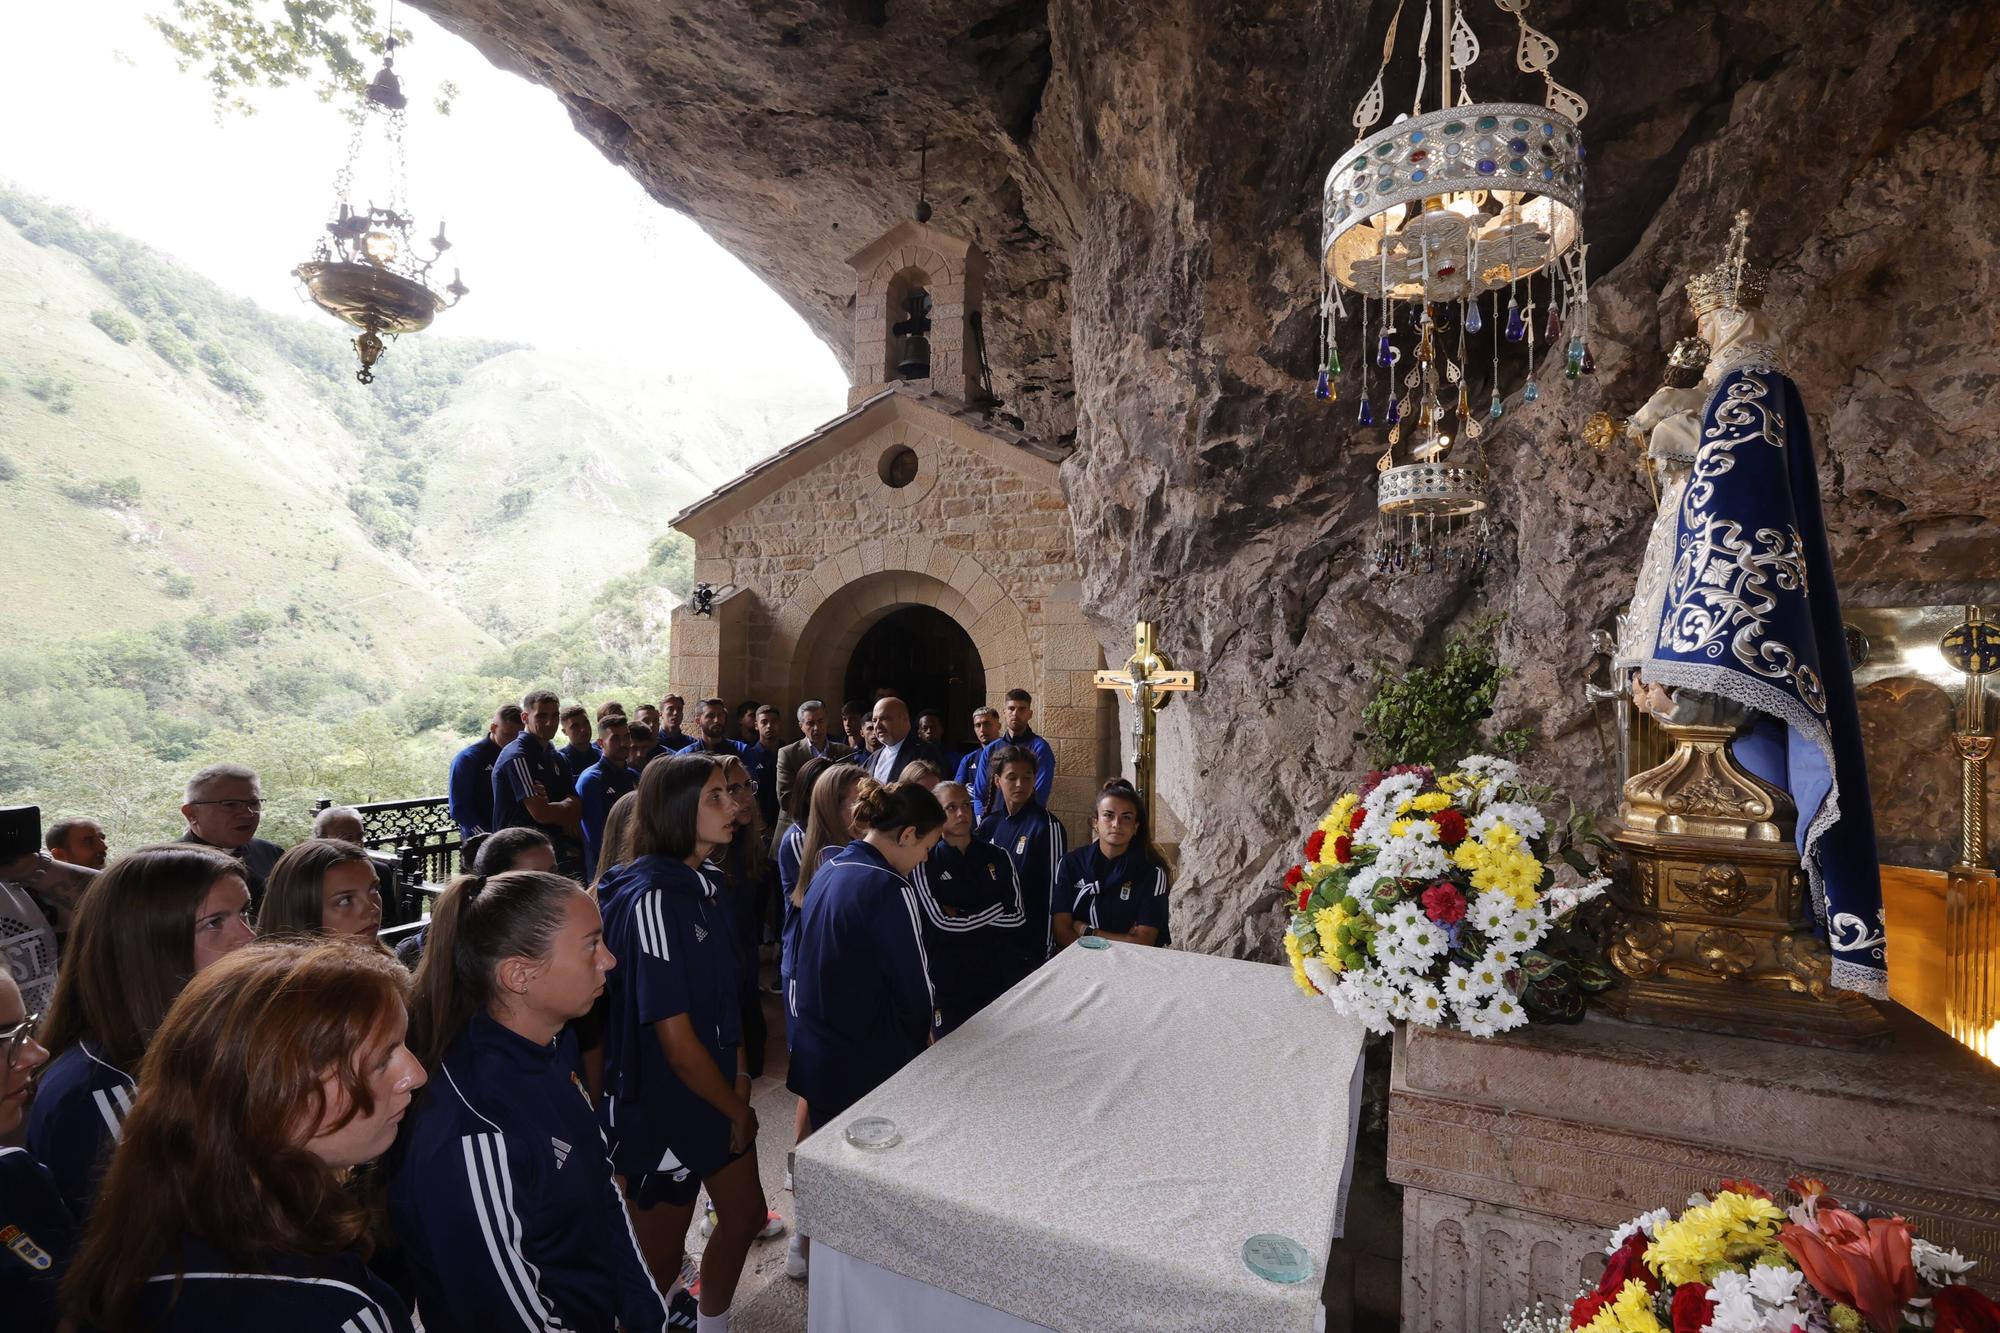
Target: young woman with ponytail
x,y
865,1006
1116,884
974,922
503,1196
275,1073
677,1088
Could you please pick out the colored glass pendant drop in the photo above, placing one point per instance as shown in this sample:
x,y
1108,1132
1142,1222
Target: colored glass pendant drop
x,y
1324,389
1367,416
1474,322
1498,409
1589,362
1531,392
1333,361
1517,328
1395,412
1573,361
1554,325
1385,355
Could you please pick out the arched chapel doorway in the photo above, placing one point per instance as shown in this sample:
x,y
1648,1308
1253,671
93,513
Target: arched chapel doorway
x,y
930,662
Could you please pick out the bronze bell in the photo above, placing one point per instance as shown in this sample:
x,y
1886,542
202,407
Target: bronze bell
x,y
915,363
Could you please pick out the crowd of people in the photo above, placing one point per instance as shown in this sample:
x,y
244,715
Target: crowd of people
x,y
236,1106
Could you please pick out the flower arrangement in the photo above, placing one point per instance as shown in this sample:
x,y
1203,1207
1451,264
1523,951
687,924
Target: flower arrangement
x,y
1425,897
1735,1262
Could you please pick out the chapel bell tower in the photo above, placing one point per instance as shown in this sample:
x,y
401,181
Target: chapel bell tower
x,y
916,315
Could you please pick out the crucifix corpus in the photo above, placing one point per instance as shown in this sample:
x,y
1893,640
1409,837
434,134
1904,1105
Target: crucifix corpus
x,y
1149,681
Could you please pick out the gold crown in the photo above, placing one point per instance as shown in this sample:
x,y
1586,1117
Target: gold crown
x,y
1686,363
1735,283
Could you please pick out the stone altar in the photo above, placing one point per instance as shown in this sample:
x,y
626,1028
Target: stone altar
x,y
1518,1154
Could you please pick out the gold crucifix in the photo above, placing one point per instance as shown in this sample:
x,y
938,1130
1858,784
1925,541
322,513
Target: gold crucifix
x,y
1150,683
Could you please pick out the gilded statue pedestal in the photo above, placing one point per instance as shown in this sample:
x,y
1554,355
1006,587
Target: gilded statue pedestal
x,y
1714,933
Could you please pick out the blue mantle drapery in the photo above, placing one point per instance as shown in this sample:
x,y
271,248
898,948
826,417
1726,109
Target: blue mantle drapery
x,y
1751,614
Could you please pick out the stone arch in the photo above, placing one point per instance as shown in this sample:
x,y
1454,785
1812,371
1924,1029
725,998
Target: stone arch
x,y
818,627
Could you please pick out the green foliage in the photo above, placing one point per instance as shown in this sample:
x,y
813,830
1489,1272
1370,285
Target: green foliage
x,y
177,584
56,391
120,493
171,347
1432,715
114,325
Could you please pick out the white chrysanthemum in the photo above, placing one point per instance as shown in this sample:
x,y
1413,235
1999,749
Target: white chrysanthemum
x,y
1413,858
1428,1007
1504,1012
1525,931
1491,769
1461,987
1563,899
1380,807
1362,882
1775,1286
1492,912
1938,1267
1472,1020
1401,917
1499,954
1320,974
1735,1308
1524,819
1650,1223
1423,939
1488,977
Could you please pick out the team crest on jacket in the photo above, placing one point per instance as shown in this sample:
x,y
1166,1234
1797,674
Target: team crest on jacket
x,y
1125,892
22,1246
1021,845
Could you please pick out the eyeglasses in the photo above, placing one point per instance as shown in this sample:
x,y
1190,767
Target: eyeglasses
x,y
13,1037
247,807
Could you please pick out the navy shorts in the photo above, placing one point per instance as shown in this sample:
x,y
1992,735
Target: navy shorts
x,y
671,1185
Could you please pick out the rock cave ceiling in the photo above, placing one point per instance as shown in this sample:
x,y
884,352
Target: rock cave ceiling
x,y
1144,178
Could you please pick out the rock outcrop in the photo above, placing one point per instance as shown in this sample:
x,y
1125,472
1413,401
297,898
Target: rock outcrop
x,y
1144,175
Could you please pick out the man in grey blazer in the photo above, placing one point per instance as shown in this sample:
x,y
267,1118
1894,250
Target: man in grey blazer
x,y
791,758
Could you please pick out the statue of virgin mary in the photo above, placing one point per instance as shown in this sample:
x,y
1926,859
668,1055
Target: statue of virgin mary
x,y
1737,618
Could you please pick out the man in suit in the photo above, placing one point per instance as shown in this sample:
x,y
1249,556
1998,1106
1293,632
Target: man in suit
x,y
899,747
791,758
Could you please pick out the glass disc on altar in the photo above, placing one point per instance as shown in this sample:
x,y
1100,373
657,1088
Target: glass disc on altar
x,y
874,1133
1277,1258
1094,942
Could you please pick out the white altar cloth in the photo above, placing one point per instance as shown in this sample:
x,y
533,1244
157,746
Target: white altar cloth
x,y
1089,1154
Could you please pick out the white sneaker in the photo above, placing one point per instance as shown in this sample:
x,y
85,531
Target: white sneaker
x,y
795,1257
774,1225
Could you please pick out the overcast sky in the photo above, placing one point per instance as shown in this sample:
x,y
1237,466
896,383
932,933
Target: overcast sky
x,y
560,248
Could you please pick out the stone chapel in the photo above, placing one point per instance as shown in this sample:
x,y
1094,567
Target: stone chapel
x,y
911,543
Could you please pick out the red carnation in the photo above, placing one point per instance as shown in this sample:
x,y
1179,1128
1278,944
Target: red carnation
x,y
1293,876
1444,904
1450,826
1305,895
1314,842
1692,1308
1749,1187
1343,849
1586,1308
1963,1310
1627,1264
1355,821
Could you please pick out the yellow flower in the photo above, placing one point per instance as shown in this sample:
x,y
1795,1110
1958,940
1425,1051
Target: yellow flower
x,y
1502,837
1431,802
1709,1237
1298,964
1327,923
1398,827
1456,782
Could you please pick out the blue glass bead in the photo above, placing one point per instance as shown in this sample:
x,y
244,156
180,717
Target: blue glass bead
x,y
1474,321
1385,355
1520,124
1548,131
1498,409
1417,177
1367,415
1517,146
1417,136
1517,166
1517,328
1548,175
1486,167
1531,392
1395,411
1324,389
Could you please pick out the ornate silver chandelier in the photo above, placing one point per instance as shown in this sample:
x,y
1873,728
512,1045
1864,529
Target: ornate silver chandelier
x,y
1424,220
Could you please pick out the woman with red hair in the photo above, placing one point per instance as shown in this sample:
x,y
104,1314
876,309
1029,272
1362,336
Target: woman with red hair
x,y
276,1072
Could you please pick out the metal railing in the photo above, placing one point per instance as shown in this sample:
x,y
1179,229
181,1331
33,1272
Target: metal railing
x,y
419,833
